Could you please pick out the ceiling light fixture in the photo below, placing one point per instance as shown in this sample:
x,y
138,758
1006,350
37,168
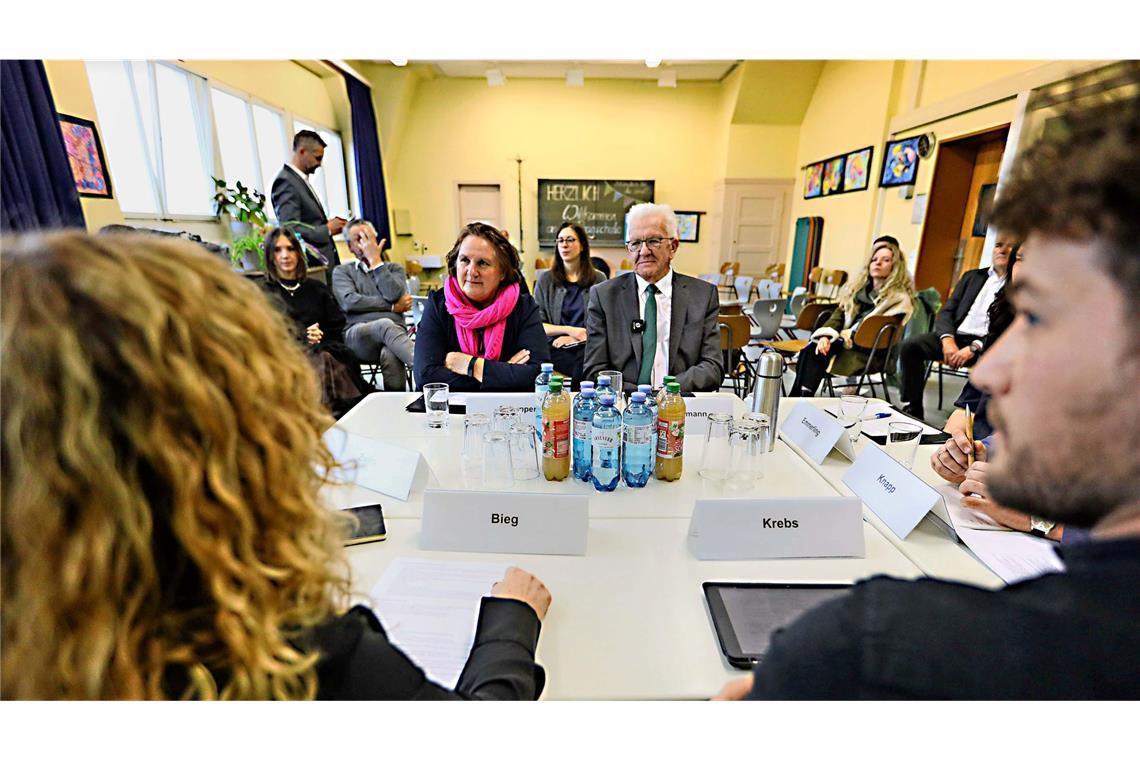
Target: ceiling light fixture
x,y
667,78
399,61
496,78
652,62
575,77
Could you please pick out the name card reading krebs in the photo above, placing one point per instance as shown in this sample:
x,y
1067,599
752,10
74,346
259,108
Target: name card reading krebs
x,y
776,528
895,494
504,523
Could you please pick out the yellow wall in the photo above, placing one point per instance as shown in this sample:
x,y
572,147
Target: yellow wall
x,y
461,130
762,151
945,79
284,84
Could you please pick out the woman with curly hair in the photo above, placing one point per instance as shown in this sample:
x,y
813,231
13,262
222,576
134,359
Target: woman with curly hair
x,y
882,288
162,532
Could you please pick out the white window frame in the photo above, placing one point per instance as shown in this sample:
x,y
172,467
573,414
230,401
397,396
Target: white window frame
x,y
353,199
250,101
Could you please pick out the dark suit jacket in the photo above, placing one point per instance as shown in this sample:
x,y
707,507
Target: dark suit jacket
x,y
694,337
294,201
960,301
436,336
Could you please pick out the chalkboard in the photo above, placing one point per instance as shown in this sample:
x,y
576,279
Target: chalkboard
x,y
599,205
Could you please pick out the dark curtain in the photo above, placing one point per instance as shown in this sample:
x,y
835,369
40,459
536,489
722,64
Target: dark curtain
x,y
37,190
366,149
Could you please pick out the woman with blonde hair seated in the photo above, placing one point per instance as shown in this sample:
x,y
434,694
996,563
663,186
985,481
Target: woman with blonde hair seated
x,y
162,530
882,288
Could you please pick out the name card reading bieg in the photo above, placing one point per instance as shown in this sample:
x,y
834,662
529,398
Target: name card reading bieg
x,y
899,497
816,432
776,527
505,523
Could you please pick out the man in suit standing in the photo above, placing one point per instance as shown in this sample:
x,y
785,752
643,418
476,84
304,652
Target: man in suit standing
x,y
653,321
294,199
960,328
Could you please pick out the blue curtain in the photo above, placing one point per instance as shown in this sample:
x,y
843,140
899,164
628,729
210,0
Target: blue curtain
x,y
37,190
366,149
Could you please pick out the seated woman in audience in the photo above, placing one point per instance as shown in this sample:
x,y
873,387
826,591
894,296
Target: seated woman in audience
x,y
317,321
478,332
562,293
883,288
163,534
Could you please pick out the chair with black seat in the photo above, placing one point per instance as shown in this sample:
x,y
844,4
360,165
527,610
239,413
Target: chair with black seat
x,y
876,335
735,331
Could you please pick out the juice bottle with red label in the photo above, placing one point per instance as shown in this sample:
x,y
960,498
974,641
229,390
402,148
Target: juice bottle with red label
x,y
670,434
556,432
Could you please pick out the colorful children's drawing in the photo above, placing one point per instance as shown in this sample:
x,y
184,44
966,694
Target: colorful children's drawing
x,y
813,181
85,154
900,163
833,176
858,170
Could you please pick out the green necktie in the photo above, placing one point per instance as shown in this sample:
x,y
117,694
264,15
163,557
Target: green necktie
x,y
649,337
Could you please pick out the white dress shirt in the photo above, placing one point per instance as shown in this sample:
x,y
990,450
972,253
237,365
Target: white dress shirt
x,y
977,321
664,317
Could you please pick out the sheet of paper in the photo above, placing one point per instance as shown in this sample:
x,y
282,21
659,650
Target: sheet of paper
x,y
429,610
964,517
879,427
1013,556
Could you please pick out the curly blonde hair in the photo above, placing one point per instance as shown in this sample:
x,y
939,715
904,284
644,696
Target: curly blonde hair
x,y
899,280
161,529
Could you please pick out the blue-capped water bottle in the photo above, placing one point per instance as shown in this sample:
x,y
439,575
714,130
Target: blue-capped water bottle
x,y
605,388
541,388
638,439
585,404
650,403
605,469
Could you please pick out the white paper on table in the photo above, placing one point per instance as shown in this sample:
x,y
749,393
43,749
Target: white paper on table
x,y
964,517
1011,555
879,427
430,609
456,399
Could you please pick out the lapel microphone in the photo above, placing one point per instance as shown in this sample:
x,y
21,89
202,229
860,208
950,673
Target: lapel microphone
x,y
637,326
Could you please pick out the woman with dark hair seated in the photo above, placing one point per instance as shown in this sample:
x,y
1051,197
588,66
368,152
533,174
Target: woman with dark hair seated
x,y
562,293
317,320
164,531
478,332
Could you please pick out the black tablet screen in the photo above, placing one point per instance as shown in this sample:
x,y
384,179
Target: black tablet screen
x,y
757,612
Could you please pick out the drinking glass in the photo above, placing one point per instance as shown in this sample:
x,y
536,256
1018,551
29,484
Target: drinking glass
x,y
748,444
498,473
524,452
475,426
435,404
851,411
715,457
505,417
902,442
615,383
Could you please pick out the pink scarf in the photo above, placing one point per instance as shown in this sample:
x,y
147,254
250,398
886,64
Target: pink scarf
x,y
492,319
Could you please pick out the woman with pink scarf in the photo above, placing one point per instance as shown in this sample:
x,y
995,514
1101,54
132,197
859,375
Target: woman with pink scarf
x,y
480,332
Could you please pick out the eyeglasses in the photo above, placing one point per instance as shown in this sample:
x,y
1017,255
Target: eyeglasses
x,y
654,244
565,241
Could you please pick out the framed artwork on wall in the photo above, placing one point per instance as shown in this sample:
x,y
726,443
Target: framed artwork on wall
x,y
689,226
900,162
833,175
85,154
857,174
813,180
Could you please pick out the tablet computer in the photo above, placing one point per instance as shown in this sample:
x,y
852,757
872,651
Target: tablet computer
x,y
745,615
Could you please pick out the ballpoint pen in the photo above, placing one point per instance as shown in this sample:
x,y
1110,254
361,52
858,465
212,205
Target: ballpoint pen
x,y
877,416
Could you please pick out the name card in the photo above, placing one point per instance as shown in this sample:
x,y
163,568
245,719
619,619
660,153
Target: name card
x,y
698,409
776,527
379,465
816,432
898,496
505,523
487,403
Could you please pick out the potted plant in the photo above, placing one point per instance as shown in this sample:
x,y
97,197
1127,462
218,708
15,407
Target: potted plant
x,y
246,252
245,206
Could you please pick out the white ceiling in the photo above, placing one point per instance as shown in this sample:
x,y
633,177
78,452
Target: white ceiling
x,y
687,71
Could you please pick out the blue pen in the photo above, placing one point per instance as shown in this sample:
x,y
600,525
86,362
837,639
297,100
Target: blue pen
x,y
879,416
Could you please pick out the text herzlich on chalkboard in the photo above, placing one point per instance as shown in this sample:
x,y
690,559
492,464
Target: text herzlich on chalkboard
x,y
599,205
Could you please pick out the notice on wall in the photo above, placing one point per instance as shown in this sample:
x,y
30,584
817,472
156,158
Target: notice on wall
x,y
599,205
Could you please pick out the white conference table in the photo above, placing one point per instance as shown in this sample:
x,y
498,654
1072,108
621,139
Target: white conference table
x,y
629,619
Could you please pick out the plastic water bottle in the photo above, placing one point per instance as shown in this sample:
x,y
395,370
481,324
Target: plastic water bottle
x,y
605,470
605,389
585,404
650,403
541,388
638,438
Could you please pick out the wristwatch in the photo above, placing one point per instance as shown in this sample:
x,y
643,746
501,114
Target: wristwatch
x,y
976,346
1039,526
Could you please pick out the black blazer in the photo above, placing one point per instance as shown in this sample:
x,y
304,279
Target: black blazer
x,y
294,201
960,301
694,340
436,336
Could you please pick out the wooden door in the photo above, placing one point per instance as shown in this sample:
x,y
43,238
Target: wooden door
x,y
971,239
756,219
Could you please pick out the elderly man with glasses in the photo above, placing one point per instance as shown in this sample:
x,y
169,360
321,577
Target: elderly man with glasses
x,y
653,321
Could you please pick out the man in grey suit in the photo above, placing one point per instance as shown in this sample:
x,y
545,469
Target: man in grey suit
x,y
372,293
294,199
653,321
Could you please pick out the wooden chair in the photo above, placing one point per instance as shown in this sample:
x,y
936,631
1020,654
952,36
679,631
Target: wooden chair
x,y
625,265
731,309
412,268
541,263
735,332
877,335
728,272
774,272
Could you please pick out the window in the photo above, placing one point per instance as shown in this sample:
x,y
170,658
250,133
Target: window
x,y
251,140
330,181
156,122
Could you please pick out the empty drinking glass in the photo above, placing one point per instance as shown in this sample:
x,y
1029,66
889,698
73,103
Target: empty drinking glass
x,y
524,452
902,442
748,443
851,412
715,457
505,417
435,404
498,473
615,383
475,426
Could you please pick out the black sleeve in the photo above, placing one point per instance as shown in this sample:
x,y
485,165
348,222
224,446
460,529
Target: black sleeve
x,y
944,323
432,348
332,318
501,376
357,661
596,357
816,657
